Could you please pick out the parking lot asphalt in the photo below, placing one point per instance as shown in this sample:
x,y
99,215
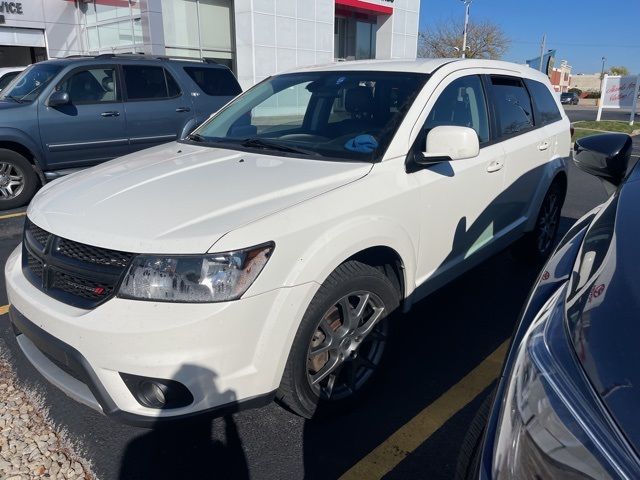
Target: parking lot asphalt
x,y
411,425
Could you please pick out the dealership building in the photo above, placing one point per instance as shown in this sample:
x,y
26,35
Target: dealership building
x,y
256,38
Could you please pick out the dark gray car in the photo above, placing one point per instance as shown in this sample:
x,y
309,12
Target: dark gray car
x,y
62,115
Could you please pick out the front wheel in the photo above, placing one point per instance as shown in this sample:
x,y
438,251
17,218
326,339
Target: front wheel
x,y
340,342
18,181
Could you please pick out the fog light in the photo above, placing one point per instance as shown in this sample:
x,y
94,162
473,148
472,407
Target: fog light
x,y
152,393
157,392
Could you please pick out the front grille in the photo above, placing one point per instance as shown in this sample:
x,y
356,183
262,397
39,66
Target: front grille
x,y
80,287
74,273
40,235
34,265
89,254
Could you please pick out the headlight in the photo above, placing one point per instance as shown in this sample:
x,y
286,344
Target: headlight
x,y
218,277
552,425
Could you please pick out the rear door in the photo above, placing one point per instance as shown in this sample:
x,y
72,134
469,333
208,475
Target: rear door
x,y
214,86
90,129
528,148
156,107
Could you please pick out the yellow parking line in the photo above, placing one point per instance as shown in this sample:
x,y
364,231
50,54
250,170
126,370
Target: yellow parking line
x,y
386,456
12,215
4,309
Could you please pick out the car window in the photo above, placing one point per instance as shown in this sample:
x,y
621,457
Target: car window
x,y
351,115
93,85
145,82
545,104
6,79
462,104
214,81
31,82
513,105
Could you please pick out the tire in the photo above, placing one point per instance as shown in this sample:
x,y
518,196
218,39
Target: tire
x,y
469,457
18,181
536,246
350,353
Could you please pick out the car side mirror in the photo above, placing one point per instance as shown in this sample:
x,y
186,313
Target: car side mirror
x,y
446,143
606,156
58,99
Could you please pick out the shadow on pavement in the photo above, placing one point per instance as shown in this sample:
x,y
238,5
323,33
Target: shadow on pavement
x,y
187,448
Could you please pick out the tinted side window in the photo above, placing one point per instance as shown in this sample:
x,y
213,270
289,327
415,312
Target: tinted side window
x,y
513,105
545,104
462,104
146,82
93,85
214,81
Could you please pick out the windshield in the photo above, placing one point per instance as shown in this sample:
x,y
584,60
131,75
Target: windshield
x,y
343,115
27,86
567,95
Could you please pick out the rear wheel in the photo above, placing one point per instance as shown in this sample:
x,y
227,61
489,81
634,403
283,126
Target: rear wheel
x,y
341,341
536,246
18,181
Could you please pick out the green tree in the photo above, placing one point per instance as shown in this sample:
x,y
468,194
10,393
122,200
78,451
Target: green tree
x,y
485,39
621,70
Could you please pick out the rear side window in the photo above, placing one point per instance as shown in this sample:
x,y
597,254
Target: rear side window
x,y
215,82
146,82
546,107
513,105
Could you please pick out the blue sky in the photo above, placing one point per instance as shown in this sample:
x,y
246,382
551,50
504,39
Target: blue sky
x,y
581,31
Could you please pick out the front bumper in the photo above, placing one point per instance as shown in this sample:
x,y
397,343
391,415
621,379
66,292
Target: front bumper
x,y
228,355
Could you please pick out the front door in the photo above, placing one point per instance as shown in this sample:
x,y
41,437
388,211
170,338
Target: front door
x,y
156,108
91,128
457,207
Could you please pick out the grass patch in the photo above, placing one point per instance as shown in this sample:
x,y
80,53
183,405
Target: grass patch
x,y
606,126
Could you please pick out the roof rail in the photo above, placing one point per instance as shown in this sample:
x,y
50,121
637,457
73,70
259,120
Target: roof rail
x,y
149,57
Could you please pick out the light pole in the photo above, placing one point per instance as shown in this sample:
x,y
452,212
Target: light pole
x,y
602,71
467,6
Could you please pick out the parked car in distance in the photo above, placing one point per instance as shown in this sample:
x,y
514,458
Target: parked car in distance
x,y
7,74
266,255
570,98
63,115
566,402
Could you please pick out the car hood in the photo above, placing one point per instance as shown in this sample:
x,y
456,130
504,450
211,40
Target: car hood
x,y
180,198
603,321
10,105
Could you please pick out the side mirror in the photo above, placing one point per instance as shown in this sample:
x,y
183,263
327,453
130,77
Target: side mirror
x,y
448,143
58,99
605,156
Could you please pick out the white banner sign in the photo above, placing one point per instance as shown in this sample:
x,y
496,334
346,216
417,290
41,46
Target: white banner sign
x,y
619,92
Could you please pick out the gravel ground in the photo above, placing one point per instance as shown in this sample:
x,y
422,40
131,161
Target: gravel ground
x,y
30,445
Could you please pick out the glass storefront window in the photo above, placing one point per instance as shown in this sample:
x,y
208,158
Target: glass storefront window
x,y
113,24
199,29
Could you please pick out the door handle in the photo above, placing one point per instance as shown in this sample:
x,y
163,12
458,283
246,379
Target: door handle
x,y
183,109
110,114
495,166
543,146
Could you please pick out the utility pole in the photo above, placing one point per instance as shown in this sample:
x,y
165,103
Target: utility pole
x,y
542,49
467,6
602,71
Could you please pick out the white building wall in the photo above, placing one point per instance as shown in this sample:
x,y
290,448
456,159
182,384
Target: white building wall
x,y
273,36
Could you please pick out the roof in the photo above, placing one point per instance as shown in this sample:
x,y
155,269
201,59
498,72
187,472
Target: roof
x,y
421,65
132,58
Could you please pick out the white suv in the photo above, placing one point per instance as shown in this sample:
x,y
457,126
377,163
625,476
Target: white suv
x,y
263,257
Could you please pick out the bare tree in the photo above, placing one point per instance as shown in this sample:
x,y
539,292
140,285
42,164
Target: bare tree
x,y
621,70
444,40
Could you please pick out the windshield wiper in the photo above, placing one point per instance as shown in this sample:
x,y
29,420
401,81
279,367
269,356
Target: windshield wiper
x,y
196,137
15,99
256,142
